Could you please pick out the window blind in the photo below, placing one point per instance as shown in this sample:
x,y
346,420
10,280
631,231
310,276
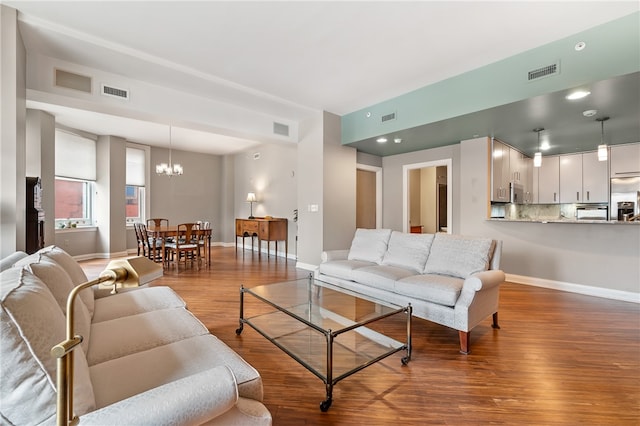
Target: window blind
x,y
75,156
135,167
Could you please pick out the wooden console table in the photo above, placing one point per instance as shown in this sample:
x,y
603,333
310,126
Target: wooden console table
x,y
272,229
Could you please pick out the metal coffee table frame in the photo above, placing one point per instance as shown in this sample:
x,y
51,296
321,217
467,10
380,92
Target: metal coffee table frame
x,y
307,315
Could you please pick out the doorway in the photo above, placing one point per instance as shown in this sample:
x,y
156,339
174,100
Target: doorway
x,y
368,197
427,197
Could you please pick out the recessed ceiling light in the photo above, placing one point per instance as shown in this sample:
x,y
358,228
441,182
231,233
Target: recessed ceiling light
x,y
397,140
381,140
590,112
578,94
580,46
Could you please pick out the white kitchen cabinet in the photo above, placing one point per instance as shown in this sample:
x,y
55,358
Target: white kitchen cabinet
x,y
595,184
571,178
528,180
549,180
625,160
500,171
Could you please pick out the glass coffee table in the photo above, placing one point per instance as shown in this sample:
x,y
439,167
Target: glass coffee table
x,y
326,329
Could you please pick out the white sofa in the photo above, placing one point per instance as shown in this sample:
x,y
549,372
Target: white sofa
x,y
448,279
144,358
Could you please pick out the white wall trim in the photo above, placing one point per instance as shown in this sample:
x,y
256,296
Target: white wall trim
x,y
378,171
306,266
625,296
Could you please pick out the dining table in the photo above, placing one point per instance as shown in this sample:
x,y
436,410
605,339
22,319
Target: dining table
x,y
161,233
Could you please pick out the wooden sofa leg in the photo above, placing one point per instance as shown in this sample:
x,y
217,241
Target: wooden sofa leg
x,y
464,341
495,320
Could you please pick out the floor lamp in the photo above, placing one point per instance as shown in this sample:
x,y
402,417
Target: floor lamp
x,y
126,272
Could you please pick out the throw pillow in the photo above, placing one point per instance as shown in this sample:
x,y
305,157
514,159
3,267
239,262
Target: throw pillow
x,y
458,256
409,251
32,323
369,245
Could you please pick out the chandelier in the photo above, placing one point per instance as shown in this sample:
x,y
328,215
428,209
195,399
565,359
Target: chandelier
x,y
169,169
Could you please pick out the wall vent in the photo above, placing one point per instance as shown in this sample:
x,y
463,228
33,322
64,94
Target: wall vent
x,y
280,129
115,92
546,71
388,117
73,81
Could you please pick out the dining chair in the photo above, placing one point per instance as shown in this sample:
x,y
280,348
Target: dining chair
x,y
148,243
157,222
183,248
141,246
203,238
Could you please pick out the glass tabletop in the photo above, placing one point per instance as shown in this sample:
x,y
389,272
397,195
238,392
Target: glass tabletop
x,y
320,307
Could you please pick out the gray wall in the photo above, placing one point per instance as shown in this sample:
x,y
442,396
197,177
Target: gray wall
x,y
339,187
392,183
273,178
310,187
195,195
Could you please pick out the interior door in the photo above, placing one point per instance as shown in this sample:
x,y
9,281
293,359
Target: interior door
x,y
365,199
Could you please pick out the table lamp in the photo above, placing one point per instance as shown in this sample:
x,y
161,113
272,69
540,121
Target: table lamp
x,y
251,198
126,272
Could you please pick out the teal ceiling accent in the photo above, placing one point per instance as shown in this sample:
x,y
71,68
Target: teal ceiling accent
x,y
613,49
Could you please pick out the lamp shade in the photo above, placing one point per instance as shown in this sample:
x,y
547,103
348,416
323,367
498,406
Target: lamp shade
x,y
251,197
537,159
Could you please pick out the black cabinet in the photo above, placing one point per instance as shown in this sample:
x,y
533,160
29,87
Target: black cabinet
x,y
34,216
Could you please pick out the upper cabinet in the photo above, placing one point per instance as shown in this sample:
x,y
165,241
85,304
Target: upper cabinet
x,y
499,171
583,179
510,166
625,160
595,184
549,180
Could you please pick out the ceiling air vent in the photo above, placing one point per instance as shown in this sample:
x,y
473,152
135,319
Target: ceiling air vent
x,y
115,92
280,129
73,81
545,71
388,117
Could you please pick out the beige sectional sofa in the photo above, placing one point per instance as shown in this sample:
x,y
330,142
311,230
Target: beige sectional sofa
x,y
448,279
144,358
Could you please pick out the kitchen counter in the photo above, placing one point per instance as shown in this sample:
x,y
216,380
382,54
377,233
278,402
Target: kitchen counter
x,y
571,221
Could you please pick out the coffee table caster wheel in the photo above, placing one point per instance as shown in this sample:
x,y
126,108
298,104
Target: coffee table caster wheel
x,y
239,330
405,360
324,405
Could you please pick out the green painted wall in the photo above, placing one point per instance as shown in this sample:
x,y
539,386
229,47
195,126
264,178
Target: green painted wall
x,y
613,49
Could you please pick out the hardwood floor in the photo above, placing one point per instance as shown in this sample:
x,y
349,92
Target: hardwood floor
x,y
559,358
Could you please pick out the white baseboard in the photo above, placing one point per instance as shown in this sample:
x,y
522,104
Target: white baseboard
x,y
625,296
306,266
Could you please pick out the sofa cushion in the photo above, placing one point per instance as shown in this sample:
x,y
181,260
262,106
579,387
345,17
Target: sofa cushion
x,y
369,245
136,333
409,251
123,377
31,324
440,289
458,256
135,301
60,285
343,268
380,276
72,268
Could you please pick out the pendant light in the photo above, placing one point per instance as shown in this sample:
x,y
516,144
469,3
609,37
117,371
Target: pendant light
x,y
169,169
537,157
602,148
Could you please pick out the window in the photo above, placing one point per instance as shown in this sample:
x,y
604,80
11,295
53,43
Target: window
x,y
73,202
75,179
135,185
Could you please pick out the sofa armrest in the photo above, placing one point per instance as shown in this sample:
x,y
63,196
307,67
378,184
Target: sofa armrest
x,y
334,255
191,400
484,280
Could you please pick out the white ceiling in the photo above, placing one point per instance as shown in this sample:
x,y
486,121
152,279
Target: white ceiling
x,y
286,59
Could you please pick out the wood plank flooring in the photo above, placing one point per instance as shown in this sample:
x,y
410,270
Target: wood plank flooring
x,y
558,359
